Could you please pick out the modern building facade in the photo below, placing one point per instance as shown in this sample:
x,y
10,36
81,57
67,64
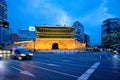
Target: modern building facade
x,y
15,37
5,31
79,31
5,36
25,35
3,11
111,32
87,40
54,37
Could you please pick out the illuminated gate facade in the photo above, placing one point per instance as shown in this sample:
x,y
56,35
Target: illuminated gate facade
x,y
55,37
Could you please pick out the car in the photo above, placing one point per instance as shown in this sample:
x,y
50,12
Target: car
x,y
1,55
117,50
22,53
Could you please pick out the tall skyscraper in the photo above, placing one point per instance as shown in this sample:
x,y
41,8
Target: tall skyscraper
x,y
5,31
79,31
3,11
111,32
5,36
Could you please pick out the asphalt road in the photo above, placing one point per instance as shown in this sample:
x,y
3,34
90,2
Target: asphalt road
x,y
77,66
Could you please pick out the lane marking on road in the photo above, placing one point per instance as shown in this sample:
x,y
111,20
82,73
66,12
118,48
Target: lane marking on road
x,y
53,65
116,57
50,70
66,60
107,57
49,64
100,57
23,71
68,63
88,73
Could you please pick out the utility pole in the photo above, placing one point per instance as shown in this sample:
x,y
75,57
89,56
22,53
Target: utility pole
x,y
34,45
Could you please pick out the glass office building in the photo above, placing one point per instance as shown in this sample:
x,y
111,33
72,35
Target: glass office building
x,y
5,36
87,40
25,35
5,31
3,11
111,32
79,31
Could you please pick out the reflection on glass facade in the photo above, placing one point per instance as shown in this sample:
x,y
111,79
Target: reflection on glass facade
x,y
5,36
111,32
5,31
26,35
3,11
79,30
87,40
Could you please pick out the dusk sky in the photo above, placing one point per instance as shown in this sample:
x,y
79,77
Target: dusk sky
x,y
90,13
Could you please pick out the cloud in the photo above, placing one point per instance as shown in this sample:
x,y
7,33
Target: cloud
x,y
50,11
105,9
98,16
36,3
62,18
93,21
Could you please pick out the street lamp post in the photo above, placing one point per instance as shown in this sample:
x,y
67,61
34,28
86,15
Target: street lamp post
x,y
32,28
75,42
34,45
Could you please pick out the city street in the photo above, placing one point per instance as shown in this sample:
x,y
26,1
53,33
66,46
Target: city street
x,y
59,40
75,66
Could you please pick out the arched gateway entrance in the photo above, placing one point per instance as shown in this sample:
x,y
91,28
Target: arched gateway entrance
x,y
55,46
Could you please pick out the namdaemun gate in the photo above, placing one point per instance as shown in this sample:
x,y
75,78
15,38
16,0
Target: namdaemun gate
x,y
52,37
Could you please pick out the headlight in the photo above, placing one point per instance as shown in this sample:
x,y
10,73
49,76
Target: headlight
x,y
8,52
1,55
31,54
22,54
4,51
1,52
